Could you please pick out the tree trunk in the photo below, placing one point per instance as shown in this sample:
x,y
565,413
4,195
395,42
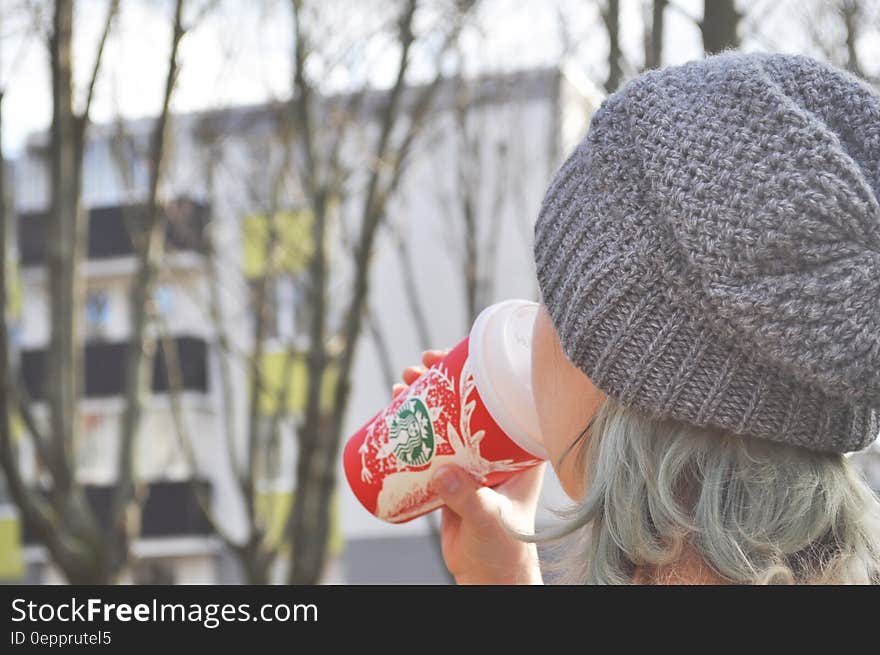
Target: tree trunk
x,y
255,562
314,489
851,13
720,26
149,247
654,51
66,237
63,246
611,18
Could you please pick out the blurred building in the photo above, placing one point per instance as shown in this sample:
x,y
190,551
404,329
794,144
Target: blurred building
x,y
177,542
493,142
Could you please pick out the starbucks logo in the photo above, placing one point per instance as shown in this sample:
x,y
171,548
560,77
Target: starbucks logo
x,y
411,434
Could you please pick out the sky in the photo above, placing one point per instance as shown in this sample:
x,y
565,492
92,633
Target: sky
x,y
239,53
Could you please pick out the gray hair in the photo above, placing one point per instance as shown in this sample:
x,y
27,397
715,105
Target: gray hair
x,y
755,511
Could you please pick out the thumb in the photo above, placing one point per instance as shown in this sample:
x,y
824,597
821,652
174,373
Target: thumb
x,y
465,496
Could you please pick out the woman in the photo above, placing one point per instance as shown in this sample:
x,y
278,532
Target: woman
x,y
708,346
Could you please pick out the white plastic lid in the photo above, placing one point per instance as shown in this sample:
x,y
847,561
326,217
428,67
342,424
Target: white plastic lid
x,y
500,354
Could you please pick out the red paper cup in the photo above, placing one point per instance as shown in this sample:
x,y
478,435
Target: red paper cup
x,y
474,409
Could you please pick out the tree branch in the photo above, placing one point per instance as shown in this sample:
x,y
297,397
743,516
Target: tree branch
x,y
150,248
684,13
218,322
382,350
410,292
301,102
175,388
112,10
22,403
851,14
260,309
35,511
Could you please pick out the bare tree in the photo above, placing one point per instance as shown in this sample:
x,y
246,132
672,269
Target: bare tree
x,y
256,551
473,193
61,518
398,120
59,515
309,131
149,248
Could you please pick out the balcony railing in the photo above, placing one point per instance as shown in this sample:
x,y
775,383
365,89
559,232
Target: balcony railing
x,y
105,368
111,230
171,509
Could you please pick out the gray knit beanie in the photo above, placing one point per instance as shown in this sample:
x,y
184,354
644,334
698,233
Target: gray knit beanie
x,y
711,250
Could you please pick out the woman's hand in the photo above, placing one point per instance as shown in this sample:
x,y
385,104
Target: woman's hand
x,y
476,547
412,373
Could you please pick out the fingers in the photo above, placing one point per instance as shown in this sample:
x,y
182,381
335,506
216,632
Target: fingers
x,y
431,357
450,524
449,520
464,496
411,374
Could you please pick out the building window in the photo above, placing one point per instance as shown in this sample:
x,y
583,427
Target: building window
x,y
302,309
286,301
163,299
97,314
170,508
15,333
104,368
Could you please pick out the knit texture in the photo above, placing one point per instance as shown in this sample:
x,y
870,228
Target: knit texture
x,y
711,250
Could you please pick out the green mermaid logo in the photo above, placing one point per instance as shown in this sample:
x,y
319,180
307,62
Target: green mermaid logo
x,y
411,434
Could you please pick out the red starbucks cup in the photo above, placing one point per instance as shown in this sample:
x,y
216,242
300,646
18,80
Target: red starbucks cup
x,y
474,408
